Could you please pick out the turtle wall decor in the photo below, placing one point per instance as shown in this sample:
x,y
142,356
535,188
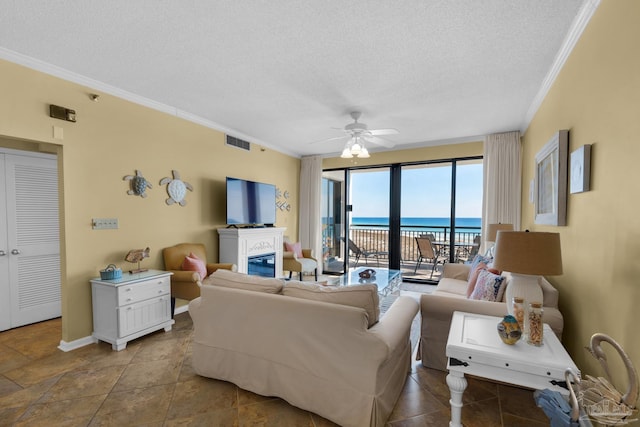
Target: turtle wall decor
x,y
176,188
138,184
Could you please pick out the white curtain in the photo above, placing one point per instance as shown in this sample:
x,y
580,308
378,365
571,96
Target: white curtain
x,y
502,168
310,227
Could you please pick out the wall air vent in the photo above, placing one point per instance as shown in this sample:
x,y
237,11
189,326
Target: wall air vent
x,y
239,143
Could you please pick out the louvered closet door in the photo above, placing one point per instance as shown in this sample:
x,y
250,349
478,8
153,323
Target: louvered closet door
x,y
33,238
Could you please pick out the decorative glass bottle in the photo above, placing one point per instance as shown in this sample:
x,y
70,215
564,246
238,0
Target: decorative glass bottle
x,y
534,336
518,311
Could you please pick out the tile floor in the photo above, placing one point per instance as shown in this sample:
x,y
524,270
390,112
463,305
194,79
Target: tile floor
x,y
151,383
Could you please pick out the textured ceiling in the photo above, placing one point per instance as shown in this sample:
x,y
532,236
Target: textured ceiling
x,y
286,73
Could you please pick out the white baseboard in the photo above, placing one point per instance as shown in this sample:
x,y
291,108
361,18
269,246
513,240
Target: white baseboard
x,y
181,309
68,346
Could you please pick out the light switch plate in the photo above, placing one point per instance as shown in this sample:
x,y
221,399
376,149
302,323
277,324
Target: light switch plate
x,y
104,223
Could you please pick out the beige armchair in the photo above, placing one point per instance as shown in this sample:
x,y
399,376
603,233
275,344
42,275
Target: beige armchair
x,y
291,262
186,284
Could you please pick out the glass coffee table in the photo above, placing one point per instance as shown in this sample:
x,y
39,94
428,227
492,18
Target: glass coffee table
x,y
385,279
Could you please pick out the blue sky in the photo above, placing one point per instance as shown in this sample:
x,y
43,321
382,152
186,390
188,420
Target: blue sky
x,y
426,192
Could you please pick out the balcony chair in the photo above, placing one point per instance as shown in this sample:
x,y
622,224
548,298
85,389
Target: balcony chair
x,y
426,252
358,253
186,284
302,262
466,253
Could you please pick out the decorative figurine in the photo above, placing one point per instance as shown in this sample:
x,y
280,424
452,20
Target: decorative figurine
x,y
138,184
137,255
509,330
369,273
176,189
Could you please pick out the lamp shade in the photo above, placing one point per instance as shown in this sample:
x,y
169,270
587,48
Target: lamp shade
x,y
492,230
525,252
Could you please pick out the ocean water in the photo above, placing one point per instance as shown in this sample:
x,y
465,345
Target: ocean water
x,y
418,223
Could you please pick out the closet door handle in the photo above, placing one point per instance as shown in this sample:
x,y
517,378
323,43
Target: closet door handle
x,y
2,253
15,251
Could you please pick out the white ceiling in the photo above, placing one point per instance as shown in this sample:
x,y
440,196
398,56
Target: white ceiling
x,y
284,74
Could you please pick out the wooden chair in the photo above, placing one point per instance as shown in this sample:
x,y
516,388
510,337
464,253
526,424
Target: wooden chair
x,y
186,284
426,252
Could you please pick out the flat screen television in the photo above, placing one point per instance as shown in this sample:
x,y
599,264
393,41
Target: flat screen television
x,y
250,203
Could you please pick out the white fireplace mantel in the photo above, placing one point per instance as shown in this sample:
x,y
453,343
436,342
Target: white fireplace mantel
x,y
238,244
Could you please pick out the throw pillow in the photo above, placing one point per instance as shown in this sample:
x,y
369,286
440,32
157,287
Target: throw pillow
x,y
471,284
232,279
362,296
477,260
489,287
193,263
296,248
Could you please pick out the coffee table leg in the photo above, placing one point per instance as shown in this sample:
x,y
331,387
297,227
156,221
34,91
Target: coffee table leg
x,y
457,384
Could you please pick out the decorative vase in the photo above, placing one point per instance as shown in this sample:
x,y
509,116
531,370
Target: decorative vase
x,y
535,334
509,330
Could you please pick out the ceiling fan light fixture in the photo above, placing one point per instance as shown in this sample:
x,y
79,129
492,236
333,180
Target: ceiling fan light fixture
x,y
356,148
346,153
364,153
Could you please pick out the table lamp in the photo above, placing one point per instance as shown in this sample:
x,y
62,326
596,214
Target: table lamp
x,y
527,255
492,232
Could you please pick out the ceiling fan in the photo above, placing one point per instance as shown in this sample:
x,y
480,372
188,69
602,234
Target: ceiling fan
x,y
358,134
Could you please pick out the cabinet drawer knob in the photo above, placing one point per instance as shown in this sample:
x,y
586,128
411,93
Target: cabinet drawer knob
x,y
128,289
128,299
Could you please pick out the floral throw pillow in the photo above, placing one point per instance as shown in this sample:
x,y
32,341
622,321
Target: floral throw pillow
x,y
489,287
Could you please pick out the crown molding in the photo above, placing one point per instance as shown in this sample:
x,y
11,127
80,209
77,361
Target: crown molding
x,y
578,25
53,70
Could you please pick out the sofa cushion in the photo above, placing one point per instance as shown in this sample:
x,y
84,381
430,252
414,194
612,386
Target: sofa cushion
x,y
193,263
232,279
489,287
362,296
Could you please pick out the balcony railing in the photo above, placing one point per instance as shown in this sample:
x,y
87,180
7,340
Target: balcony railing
x,y
374,238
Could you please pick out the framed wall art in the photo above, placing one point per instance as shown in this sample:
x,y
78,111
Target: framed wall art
x,y
551,181
580,165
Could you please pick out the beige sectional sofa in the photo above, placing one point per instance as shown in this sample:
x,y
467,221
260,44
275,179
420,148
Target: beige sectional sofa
x,y
290,342
437,308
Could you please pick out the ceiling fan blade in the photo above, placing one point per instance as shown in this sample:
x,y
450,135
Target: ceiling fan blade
x,y
390,131
380,141
330,139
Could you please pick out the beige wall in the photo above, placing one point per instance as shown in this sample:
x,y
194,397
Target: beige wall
x,y
111,139
597,97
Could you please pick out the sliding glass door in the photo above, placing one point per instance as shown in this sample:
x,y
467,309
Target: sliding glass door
x,y
441,215
333,221
369,217
410,217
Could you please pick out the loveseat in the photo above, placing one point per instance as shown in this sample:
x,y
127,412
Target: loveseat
x,y
437,308
332,359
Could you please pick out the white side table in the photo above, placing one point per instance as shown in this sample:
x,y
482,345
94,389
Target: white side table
x,y
130,307
475,348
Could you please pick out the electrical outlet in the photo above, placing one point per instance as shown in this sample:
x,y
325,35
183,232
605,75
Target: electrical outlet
x,y
104,223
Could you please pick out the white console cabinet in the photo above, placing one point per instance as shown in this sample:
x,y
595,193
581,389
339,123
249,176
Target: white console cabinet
x,y
239,245
130,307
